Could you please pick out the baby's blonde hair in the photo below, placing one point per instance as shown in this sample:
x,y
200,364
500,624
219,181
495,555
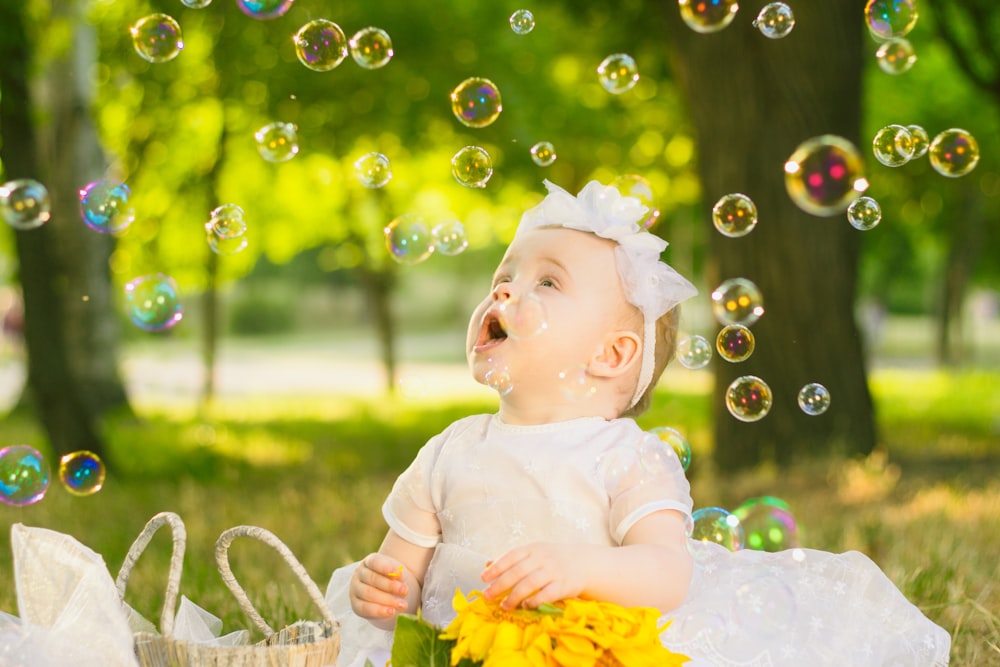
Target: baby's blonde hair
x,y
666,343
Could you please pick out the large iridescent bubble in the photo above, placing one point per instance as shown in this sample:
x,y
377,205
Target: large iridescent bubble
x,y
824,175
24,475
105,206
264,9
768,524
714,524
890,18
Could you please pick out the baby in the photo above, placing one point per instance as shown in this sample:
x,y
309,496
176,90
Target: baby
x,y
561,494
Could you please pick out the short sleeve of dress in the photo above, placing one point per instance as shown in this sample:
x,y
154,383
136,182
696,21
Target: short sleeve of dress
x,y
410,509
643,476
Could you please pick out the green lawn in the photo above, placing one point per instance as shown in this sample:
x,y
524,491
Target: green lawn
x,y
315,472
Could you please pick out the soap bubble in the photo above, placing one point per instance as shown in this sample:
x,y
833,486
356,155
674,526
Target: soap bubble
x,y
677,442
893,145
748,398
371,47
522,21
734,215
694,352
105,206
25,203
890,18
543,153
226,230
24,475
864,213
412,387
714,524
618,73
764,607
954,153
264,9
576,384
824,175
320,45
152,302
921,141
775,20
82,473
196,4
896,56
768,524
373,170
735,343
522,316
814,399
711,16
157,38
634,185
408,240
277,142
737,301
472,166
498,376
476,102
449,238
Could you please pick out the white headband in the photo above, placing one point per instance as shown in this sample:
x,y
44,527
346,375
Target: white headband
x,y
650,285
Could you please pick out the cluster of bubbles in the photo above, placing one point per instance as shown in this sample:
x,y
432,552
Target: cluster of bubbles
x,y
409,240
152,302
25,474
734,215
25,203
522,22
889,21
618,73
543,153
764,523
775,20
373,170
105,206
321,45
472,166
895,145
277,141
226,230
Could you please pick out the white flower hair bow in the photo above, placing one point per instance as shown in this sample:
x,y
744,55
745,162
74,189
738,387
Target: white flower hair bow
x,y
650,284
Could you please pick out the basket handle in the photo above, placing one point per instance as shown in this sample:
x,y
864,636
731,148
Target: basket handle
x,y
269,538
176,564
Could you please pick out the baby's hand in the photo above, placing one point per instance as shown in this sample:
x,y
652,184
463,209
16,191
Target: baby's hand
x,y
377,587
535,574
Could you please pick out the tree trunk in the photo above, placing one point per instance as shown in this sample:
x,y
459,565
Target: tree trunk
x,y
378,284
47,278
964,239
752,102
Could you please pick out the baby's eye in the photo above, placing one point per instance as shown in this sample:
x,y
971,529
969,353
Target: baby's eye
x,y
546,282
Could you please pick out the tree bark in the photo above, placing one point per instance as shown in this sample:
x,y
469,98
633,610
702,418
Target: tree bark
x,y
47,278
752,102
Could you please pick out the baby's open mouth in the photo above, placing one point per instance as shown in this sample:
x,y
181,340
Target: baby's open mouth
x,y
492,331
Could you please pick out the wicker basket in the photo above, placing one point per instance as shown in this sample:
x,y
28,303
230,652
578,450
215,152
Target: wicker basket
x,y
302,644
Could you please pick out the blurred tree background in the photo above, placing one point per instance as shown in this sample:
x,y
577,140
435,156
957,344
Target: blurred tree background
x,y
180,134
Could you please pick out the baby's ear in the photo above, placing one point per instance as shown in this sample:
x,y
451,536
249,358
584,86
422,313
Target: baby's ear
x,y
619,351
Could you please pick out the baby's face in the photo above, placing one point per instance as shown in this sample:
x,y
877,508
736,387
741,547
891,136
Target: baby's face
x,y
569,276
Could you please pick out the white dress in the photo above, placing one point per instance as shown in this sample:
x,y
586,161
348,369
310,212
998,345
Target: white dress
x,y
481,487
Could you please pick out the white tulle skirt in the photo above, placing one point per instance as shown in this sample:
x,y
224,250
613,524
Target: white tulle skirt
x,y
744,608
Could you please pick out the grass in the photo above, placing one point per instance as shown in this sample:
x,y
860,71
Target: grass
x,y
315,471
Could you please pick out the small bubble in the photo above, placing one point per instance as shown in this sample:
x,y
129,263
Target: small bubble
x,y
920,140
278,142
890,18
677,442
824,175
618,73
152,302
523,316
522,22
954,153
634,185
734,215
24,475
373,170
472,166
543,153
105,206
576,384
408,239
196,4
264,9
864,213
371,47
714,524
707,17
775,20
476,102
498,376
82,473
735,343
893,145
25,204
768,524
814,399
157,38
449,238
737,301
896,56
748,398
694,352
226,230
320,45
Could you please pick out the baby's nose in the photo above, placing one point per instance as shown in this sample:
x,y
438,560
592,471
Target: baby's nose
x,y
502,292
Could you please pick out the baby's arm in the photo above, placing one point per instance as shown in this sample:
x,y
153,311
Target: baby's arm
x,y
389,582
652,568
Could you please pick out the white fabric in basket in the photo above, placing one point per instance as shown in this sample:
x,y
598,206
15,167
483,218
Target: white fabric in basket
x,y
69,608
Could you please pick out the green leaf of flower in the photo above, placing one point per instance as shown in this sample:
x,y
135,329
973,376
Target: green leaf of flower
x,y
416,643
